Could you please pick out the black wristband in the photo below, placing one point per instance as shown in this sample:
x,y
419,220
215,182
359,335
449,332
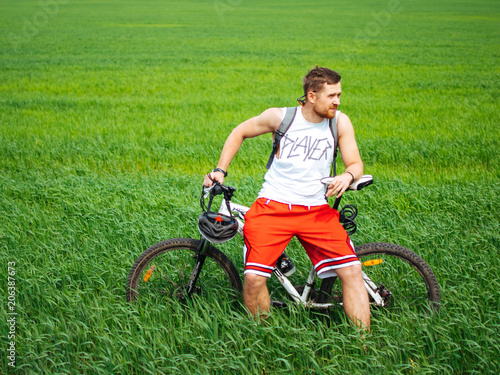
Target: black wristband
x,y
221,171
352,177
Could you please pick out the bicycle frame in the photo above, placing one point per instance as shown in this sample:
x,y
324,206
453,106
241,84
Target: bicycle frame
x,y
239,212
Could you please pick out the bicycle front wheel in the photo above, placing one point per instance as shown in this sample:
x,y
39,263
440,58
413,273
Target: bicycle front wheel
x,y
163,271
399,279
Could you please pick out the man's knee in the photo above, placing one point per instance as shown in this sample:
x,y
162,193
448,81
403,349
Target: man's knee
x,y
350,273
253,281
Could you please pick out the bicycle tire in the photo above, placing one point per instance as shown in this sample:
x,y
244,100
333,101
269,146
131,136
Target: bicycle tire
x,y
174,261
411,281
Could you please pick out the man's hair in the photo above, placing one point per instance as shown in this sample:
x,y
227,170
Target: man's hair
x,y
317,77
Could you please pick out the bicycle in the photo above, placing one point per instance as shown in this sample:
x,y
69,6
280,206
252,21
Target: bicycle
x,y
393,275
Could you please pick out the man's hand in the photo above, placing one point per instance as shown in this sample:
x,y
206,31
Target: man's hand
x,y
339,185
213,176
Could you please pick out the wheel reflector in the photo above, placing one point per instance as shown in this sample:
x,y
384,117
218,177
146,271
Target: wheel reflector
x,y
372,262
149,273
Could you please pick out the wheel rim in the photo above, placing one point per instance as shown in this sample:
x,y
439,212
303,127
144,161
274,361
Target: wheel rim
x,y
406,288
169,275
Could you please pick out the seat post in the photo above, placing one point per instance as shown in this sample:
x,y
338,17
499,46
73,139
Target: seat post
x,y
337,203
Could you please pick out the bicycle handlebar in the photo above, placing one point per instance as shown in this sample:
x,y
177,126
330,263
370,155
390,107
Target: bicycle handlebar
x,y
216,189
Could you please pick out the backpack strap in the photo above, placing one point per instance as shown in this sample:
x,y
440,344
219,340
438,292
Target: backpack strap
x,y
280,132
333,128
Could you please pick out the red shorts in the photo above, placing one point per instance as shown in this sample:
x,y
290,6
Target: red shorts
x,y
270,225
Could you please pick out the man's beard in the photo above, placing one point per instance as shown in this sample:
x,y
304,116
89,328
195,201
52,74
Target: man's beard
x,y
326,113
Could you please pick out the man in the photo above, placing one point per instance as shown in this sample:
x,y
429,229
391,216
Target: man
x,y
292,201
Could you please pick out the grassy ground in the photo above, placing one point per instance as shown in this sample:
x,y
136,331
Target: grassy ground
x,y
111,112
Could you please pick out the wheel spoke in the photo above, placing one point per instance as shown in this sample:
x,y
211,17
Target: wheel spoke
x,y
163,271
399,284
396,277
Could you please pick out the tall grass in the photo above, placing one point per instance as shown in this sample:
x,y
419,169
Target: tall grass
x,y
111,113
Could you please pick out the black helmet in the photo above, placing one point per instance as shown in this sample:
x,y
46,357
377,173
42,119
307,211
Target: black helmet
x,y
216,227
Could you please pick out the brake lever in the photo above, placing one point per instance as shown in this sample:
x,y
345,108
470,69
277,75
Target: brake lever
x,y
217,188
208,190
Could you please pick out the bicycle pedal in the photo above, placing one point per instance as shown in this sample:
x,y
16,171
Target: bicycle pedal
x,y
285,265
278,304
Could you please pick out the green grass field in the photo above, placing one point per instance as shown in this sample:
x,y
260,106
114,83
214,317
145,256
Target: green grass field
x,y
112,111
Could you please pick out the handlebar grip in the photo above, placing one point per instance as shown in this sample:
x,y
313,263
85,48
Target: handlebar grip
x,y
217,189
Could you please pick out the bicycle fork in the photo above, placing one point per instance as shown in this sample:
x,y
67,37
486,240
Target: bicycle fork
x,y
200,260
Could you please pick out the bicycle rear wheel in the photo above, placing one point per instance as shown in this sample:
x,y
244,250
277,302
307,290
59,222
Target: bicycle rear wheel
x,y
163,271
401,277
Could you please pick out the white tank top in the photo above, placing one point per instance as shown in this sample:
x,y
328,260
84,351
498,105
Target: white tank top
x,y
305,157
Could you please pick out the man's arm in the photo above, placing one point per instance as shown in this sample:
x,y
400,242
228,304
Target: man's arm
x,y
350,156
267,122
